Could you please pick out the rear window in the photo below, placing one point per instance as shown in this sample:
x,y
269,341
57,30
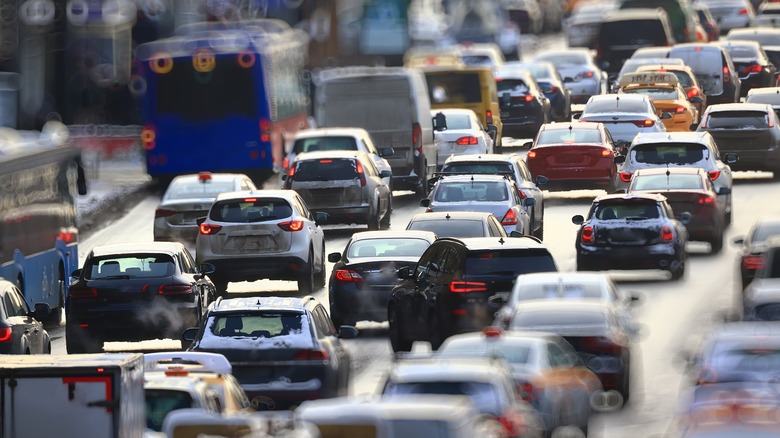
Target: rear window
x,y
325,170
764,232
250,210
454,88
193,189
771,99
616,105
704,63
325,144
643,32
478,60
451,227
672,153
569,136
458,121
471,191
664,182
516,353
749,52
738,120
479,168
160,402
544,291
542,318
129,266
655,93
511,86
634,210
764,39
509,262
399,247
564,59
262,325
485,396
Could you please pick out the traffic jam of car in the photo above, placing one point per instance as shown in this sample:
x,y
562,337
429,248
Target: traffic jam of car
x,y
408,206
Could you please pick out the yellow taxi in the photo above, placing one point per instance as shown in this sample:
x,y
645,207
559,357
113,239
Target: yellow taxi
x,y
667,95
685,77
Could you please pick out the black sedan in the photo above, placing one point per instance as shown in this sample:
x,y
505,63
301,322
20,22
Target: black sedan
x,y
631,231
20,329
365,274
524,107
135,291
552,86
753,65
751,252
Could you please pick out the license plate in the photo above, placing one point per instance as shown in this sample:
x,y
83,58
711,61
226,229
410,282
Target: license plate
x,y
504,114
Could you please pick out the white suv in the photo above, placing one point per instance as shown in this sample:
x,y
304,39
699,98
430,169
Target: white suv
x,y
262,234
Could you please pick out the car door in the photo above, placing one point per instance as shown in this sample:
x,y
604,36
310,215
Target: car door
x,y
531,190
326,336
316,234
28,327
428,270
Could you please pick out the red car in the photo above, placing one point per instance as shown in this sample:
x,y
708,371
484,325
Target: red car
x,y
578,155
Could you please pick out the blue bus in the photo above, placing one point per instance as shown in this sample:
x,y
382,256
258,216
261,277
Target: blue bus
x,y
40,174
222,97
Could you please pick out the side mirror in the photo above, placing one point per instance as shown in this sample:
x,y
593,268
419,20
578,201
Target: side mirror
x,y
567,80
666,116
529,202
694,126
515,233
724,191
200,220
731,158
528,145
685,217
405,272
207,268
385,174
577,219
386,152
348,332
604,65
425,203
576,116
284,177
542,180
189,334
716,76
334,257
739,241
41,312
620,159
492,132
76,273
320,217
440,122
696,99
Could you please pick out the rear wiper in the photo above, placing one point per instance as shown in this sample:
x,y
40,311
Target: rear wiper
x,y
635,218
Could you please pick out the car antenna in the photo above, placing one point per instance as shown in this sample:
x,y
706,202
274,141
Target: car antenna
x,y
501,240
668,173
447,217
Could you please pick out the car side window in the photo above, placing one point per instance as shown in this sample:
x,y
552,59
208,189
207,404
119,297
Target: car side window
x,y
188,265
303,208
15,304
423,266
555,356
570,357
524,172
323,322
494,227
370,168
369,147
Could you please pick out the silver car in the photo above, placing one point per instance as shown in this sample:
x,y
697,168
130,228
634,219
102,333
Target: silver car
x,y
579,71
458,224
459,132
262,234
624,115
188,198
488,193
681,149
344,184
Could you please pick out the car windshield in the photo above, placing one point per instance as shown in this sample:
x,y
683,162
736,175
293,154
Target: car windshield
x,y
568,136
485,396
738,120
256,324
454,87
667,182
508,262
160,402
250,210
672,153
198,189
471,191
616,105
451,227
393,247
129,266
744,52
325,143
511,86
634,209
516,353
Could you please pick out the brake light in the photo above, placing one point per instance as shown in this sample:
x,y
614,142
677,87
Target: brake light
x,y
148,137
417,139
531,154
666,234
704,199
492,331
68,235
348,275
510,218
693,92
286,163
553,89
209,229
80,291
599,344
528,98
513,423
293,225
770,121
625,176
606,153
463,141
743,11
326,161
312,355
585,75
680,110
265,130
521,194
174,289
644,123
489,117
726,74
361,173
753,262
204,177
713,174
467,286
176,372
250,199
753,69
526,390
704,119
6,334
587,236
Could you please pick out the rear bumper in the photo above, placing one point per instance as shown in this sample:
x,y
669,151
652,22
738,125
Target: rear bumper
x,y
352,303
272,267
768,159
658,256
132,324
346,215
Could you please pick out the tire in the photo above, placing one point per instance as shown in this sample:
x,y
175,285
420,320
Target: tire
x,y
717,243
55,317
625,390
319,278
306,282
384,224
539,234
373,222
397,340
679,273
220,288
727,219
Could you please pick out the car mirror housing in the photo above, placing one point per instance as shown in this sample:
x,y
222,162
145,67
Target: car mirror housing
x,y
620,159
320,217
42,310
724,191
577,219
385,174
685,217
529,202
76,273
425,203
348,332
666,116
207,268
731,158
405,272
334,257
189,334
542,180
386,152
200,220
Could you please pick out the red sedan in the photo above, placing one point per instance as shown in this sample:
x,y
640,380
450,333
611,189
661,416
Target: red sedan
x,y
577,155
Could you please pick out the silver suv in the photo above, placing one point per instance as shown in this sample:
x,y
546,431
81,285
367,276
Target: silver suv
x,y
262,234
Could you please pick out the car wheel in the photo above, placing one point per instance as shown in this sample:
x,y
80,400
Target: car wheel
x,y
373,221
625,389
385,223
306,282
539,234
397,339
319,278
677,274
717,243
727,219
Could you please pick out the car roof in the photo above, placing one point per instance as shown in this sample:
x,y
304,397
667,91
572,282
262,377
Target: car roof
x,y
431,368
284,194
513,73
337,73
671,170
137,247
567,125
671,137
746,329
189,384
475,177
564,277
633,14
394,234
497,243
765,107
481,157
687,47
599,97
590,306
727,43
509,335
318,155
764,90
454,215
629,196
753,31
398,407
671,67
330,132
261,303
215,176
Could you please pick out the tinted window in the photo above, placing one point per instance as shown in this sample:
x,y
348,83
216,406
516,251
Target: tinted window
x,y
486,397
326,170
637,209
672,153
616,105
15,304
542,318
737,120
130,266
160,402
514,352
764,232
250,210
568,136
771,99
644,32
263,325
471,191
193,189
705,64
399,247
458,121
324,144
664,182
454,88
511,85
511,262
451,227
750,52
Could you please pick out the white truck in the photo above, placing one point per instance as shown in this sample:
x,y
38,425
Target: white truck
x,y
97,395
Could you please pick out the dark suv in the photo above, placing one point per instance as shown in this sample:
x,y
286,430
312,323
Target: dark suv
x,y
283,350
622,32
458,285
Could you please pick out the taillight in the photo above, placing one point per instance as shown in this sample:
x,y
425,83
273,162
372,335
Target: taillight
x,y
680,110
291,172
467,286
68,235
521,194
705,199
293,225
606,153
174,289
348,275
753,262
553,89
513,423
510,218
770,121
463,141
599,344
666,234
209,229
531,154
265,130
753,69
79,291
489,117
625,176
417,139
693,92
587,236
743,11
528,98
585,75
713,174
526,390
312,355
644,123
162,212
361,173
726,74
286,163
6,334
704,119
149,137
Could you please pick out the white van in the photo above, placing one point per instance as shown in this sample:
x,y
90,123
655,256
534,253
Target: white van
x,y
392,104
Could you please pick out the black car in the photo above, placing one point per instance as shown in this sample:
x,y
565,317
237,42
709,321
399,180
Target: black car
x,y
624,31
752,63
524,107
551,83
631,231
135,291
752,247
458,285
20,329
365,274
283,350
